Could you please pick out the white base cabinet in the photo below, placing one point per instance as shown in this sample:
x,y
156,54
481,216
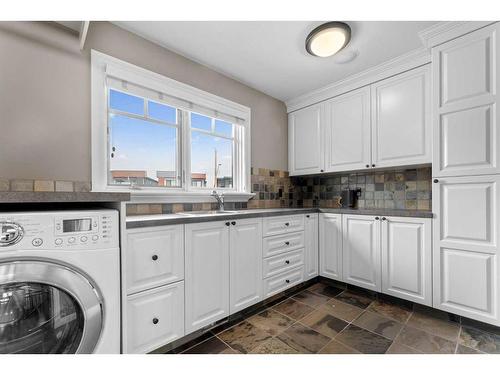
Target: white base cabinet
x,y
311,248
407,258
206,274
154,318
155,257
466,246
330,246
245,258
288,242
361,251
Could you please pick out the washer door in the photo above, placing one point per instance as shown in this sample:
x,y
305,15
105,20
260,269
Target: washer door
x,y
47,308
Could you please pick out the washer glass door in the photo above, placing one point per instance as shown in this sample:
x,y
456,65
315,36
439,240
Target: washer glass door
x,y
39,318
47,308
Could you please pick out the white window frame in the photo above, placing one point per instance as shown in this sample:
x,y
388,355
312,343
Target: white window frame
x,y
101,66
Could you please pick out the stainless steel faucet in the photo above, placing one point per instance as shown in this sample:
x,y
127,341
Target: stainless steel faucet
x,y
220,200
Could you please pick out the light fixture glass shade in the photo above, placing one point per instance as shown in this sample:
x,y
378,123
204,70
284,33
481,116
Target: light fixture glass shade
x,y
328,39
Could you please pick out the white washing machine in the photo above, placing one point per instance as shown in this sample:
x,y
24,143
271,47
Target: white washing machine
x,y
59,282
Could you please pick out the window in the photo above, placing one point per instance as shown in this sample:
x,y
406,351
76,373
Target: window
x,y
151,134
143,142
212,148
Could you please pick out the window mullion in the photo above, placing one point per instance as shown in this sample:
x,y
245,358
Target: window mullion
x,y
186,154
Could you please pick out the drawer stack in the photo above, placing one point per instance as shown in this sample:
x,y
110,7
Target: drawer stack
x,y
283,253
154,287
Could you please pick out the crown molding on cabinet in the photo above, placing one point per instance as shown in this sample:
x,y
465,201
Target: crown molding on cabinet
x,y
444,31
387,69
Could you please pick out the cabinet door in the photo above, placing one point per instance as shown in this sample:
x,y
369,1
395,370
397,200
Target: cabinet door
x,y
407,258
206,274
245,263
330,246
154,318
361,251
465,114
466,246
347,131
311,246
154,257
304,141
401,119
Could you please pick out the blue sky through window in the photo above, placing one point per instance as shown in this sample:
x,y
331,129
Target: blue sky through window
x,y
126,103
142,145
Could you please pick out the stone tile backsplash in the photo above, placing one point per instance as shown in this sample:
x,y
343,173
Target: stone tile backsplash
x,y
272,188
44,185
408,189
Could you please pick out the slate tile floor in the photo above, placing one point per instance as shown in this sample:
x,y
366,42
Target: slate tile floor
x,y
328,319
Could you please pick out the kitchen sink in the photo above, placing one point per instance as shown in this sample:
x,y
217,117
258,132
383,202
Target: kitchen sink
x,y
208,213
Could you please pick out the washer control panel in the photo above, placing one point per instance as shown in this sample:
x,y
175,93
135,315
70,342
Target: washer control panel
x,y
59,229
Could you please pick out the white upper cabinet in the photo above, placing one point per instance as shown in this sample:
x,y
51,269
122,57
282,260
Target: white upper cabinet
x,y
466,250
305,150
407,258
330,246
206,274
245,239
401,119
361,251
465,117
311,246
386,124
347,131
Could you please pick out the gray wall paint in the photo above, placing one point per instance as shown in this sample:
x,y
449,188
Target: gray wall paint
x,y
45,98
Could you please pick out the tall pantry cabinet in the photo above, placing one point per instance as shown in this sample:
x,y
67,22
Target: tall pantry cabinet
x,y
466,175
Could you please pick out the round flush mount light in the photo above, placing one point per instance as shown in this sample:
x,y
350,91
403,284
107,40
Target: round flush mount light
x,y
328,39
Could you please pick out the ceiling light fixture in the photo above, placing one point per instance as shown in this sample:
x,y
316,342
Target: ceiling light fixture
x,y
328,39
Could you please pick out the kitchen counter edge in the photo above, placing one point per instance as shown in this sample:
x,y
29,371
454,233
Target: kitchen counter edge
x,y
145,221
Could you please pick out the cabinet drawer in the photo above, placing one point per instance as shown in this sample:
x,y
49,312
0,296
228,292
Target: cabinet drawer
x,y
283,262
154,318
154,257
283,281
282,224
281,244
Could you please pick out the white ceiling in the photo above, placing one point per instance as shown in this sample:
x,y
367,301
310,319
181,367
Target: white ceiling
x,y
270,55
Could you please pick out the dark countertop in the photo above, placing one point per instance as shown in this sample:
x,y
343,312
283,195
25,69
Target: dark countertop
x,y
179,218
378,212
61,197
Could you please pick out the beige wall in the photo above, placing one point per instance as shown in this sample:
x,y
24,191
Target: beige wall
x,y
45,98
